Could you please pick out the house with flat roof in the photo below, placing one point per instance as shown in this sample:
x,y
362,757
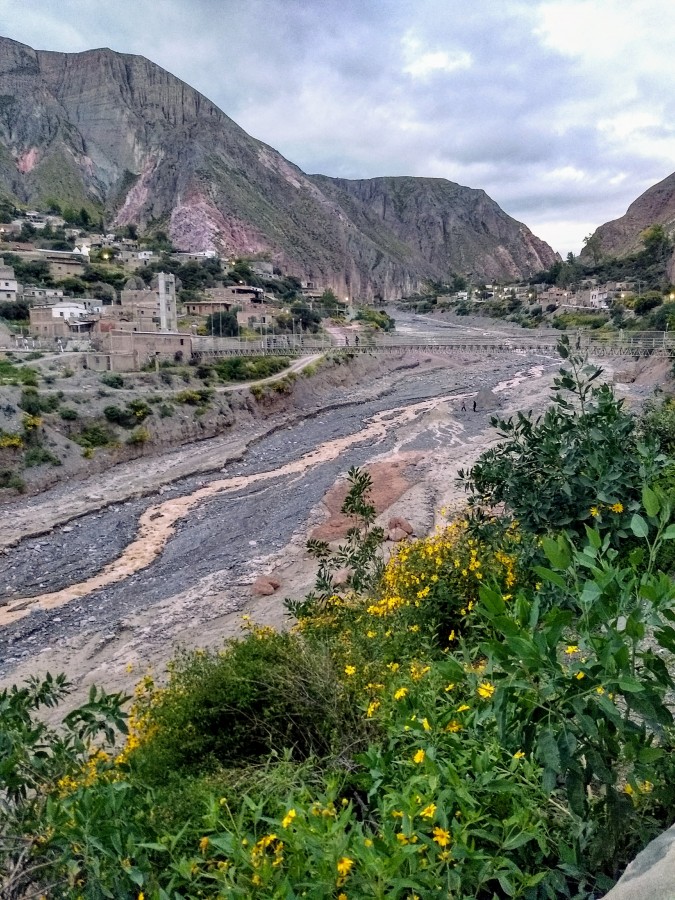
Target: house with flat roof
x,y
8,283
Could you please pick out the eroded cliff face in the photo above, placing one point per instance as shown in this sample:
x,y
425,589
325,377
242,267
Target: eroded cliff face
x,y
117,131
623,236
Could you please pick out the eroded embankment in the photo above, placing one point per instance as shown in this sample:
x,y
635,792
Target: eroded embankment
x,y
177,454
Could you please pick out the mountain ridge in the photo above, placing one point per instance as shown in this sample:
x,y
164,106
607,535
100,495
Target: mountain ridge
x,y
116,132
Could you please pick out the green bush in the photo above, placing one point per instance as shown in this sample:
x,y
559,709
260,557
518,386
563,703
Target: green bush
x,y
68,414
190,397
138,436
95,435
270,692
135,412
37,455
9,479
112,379
11,373
250,368
34,403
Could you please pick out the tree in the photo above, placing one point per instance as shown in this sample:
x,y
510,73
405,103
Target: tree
x,y
657,243
593,244
222,324
583,453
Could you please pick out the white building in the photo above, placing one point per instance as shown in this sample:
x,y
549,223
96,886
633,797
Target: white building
x,y
8,284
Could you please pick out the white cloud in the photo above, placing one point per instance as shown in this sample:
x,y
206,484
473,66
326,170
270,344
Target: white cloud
x,y
421,62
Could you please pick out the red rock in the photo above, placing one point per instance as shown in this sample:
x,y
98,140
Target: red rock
x,y
400,522
341,576
263,587
397,534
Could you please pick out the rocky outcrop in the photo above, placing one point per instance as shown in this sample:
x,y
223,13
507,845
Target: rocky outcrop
x,y
622,237
118,133
651,875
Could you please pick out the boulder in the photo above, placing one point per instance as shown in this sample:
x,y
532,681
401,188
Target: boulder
x,y
400,522
263,586
341,577
397,534
651,875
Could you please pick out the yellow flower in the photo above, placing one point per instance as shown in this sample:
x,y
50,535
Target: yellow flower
x,y
429,811
350,670
400,693
599,689
373,706
463,708
617,507
401,838
628,790
344,866
571,648
594,511
646,787
393,666
580,675
485,690
368,842
441,836
451,636
342,896
450,687
288,818
419,757
453,727
203,844
519,755
425,724
371,634
141,896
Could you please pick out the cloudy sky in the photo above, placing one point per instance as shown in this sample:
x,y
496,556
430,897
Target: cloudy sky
x,y
562,110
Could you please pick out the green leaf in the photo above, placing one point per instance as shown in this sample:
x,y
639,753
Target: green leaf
x,y
549,575
638,526
576,795
517,840
669,533
630,685
492,601
556,552
594,538
547,750
650,501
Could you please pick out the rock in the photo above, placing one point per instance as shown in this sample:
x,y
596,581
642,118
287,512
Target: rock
x,y
400,522
341,576
263,587
397,534
651,875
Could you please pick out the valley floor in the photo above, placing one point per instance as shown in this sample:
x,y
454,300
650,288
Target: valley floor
x,y
119,581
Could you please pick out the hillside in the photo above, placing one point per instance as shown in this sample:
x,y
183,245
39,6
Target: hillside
x,y
117,133
622,236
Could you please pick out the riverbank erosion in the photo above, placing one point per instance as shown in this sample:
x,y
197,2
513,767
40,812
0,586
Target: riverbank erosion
x,y
106,578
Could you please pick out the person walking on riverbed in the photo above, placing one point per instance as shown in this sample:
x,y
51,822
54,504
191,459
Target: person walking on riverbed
x,y
463,406
474,406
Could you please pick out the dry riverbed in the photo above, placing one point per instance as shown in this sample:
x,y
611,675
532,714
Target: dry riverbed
x,y
106,579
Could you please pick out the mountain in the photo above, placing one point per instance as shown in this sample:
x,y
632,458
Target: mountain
x,y
115,132
622,237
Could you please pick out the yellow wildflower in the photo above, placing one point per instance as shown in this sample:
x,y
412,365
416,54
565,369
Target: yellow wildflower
x,y
571,648
519,755
393,666
344,866
367,842
594,511
401,838
419,756
429,811
425,724
203,844
441,836
453,727
580,675
463,708
451,636
373,707
288,818
350,670
599,689
485,690
400,693
450,687
617,507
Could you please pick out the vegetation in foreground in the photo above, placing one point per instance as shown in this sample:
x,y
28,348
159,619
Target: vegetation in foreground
x,y
485,716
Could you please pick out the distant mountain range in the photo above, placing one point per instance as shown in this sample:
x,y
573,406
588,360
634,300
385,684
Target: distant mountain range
x,y
117,133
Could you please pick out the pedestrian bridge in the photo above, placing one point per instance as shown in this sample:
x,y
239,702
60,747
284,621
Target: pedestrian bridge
x,y
634,344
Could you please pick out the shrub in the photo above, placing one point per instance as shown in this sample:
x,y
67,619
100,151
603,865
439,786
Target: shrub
x,y
136,411
139,436
251,368
68,414
582,456
112,379
34,403
220,709
95,435
199,397
38,456
165,411
9,479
